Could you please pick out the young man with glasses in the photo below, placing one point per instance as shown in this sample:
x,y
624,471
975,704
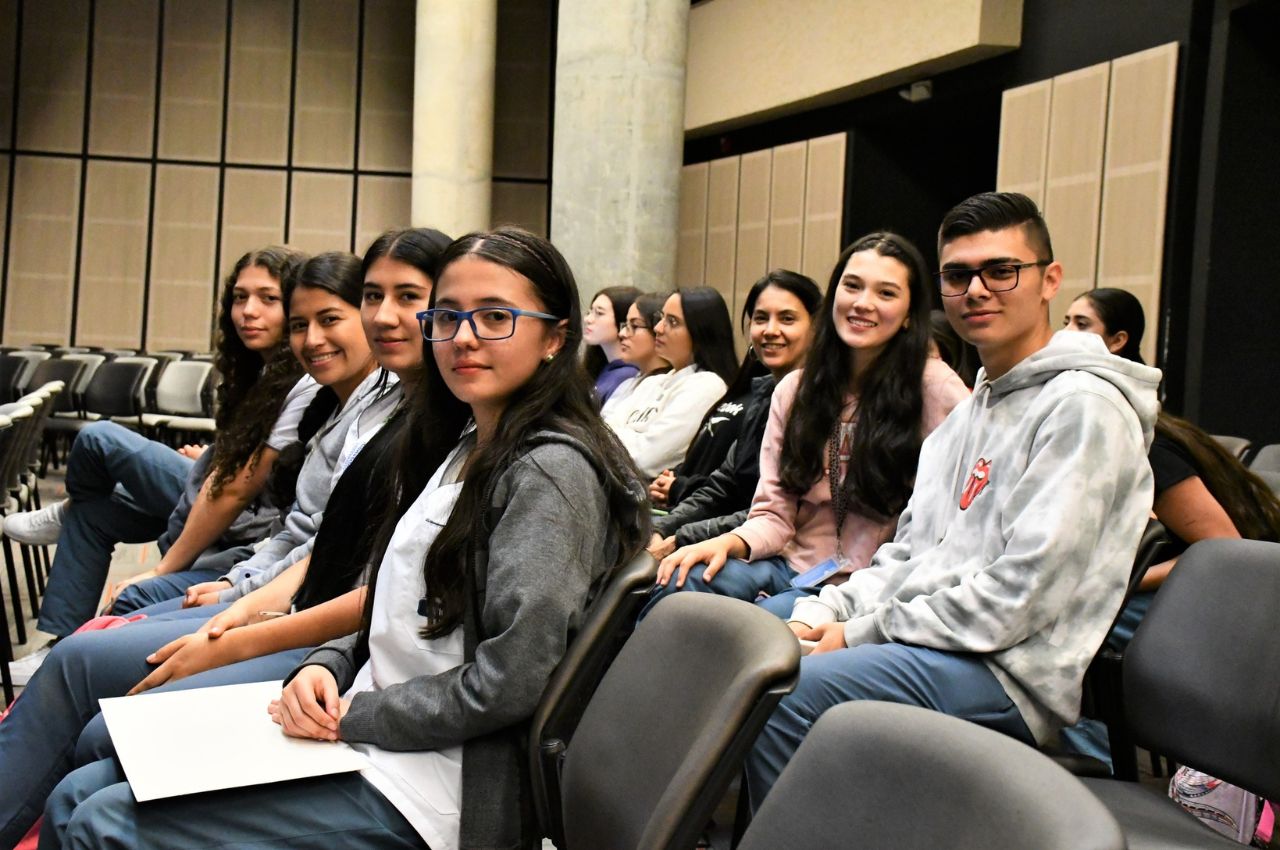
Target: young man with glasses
x,y
1012,557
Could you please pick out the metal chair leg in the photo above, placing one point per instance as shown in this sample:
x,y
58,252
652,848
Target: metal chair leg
x,y
16,600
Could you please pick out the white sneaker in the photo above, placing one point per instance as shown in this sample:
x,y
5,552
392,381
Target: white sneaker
x,y
25,667
37,528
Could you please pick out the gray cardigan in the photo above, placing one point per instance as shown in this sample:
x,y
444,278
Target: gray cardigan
x,y
548,550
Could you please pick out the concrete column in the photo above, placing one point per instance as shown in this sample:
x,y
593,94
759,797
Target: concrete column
x,y
454,51
619,136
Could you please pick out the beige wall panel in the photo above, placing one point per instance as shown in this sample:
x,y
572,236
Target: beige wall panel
x,y
823,205
1024,139
42,250
751,259
386,98
8,44
180,314
324,121
691,243
252,214
1136,179
258,86
55,46
191,79
524,204
381,204
124,77
113,259
522,90
786,206
753,59
1073,178
320,213
722,229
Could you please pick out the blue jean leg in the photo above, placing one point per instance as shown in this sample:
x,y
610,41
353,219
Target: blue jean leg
x,y
952,683
90,531
331,811
123,488
737,579
781,603
105,455
159,589
38,738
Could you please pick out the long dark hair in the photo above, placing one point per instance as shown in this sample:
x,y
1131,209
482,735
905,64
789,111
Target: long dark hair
x,y
1247,499
557,398
342,552
620,297
886,436
1119,310
253,387
710,329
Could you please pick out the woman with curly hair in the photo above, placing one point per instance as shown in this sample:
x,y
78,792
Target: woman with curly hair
x,y
123,487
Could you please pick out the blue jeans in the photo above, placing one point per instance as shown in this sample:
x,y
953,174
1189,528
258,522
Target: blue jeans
x,y
123,488
954,683
330,811
170,588
780,604
738,579
38,738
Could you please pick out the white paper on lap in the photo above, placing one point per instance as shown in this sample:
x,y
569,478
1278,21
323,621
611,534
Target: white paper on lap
x,y
207,739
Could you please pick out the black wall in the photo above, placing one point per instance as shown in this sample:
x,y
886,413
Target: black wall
x,y
1232,356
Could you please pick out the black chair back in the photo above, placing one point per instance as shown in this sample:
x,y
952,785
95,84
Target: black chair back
x,y
877,774
13,370
671,722
606,628
1200,677
67,371
115,389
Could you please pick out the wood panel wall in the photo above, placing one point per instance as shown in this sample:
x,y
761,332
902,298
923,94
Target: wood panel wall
x,y
741,216
1092,148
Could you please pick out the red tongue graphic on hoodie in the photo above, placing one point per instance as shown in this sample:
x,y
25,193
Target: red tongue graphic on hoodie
x,y
976,482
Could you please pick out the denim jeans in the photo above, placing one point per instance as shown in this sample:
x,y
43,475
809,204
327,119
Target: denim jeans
x,y
738,579
123,488
954,683
38,738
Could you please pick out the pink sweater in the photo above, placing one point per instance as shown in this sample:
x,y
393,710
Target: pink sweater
x,y
803,531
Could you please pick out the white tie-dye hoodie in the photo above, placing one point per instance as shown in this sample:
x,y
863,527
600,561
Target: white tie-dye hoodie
x,y
1018,541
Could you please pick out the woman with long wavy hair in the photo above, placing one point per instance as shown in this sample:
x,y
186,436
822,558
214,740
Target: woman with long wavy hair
x,y
124,488
839,455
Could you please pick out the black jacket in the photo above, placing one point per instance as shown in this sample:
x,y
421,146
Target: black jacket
x,y
720,503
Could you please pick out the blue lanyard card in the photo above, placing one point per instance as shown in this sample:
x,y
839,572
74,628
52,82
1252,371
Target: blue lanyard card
x,y
817,574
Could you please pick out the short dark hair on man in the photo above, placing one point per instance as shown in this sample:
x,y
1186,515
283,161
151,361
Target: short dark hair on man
x,y
997,211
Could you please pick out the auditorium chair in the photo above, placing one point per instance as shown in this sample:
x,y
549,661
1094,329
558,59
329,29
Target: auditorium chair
x,y
885,776
672,721
605,629
1200,686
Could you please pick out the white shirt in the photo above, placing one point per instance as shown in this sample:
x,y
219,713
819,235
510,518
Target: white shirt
x,y
426,785
657,421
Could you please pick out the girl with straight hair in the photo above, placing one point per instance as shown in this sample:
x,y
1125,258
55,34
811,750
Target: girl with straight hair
x,y
503,447
125,488
658,420
636,347
600,333
836,467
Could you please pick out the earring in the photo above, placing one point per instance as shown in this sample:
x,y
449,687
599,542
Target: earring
x,y
549,358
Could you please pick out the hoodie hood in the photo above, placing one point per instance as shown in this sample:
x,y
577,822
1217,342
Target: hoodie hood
x,y
1081,352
